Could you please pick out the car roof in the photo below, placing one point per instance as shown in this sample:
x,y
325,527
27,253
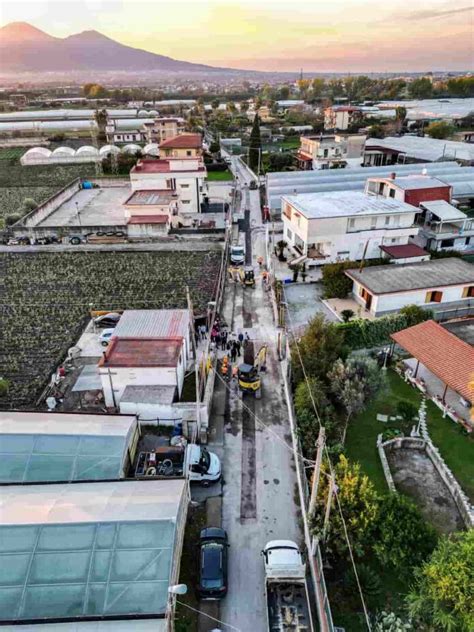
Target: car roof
x,y
213,532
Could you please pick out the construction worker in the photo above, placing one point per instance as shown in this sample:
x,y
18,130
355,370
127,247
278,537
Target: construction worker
x,y
260,261
225,367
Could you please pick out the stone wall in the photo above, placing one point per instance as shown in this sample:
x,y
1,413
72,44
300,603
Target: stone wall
x,y
425,444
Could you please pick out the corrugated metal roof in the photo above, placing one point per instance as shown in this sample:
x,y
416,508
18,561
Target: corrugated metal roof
x,y
153,323
423,147
142,352
443,210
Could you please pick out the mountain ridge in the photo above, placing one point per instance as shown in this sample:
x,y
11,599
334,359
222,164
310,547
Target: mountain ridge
x,y
29,49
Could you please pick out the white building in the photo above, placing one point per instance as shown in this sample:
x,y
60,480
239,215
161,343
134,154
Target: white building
x,y
149,348
444,227
184,176
342,117
438,284
401,149
338,226
322,152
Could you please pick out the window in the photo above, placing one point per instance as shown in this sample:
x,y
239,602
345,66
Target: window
x,y
435,296
381,187
289,234
185,201
325,153
387,220
468,241
351,223
447,243
373,222
392,193
394,240
189,153
468,292
184,186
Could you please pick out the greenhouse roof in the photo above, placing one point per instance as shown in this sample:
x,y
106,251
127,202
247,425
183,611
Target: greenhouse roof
x,y
139,625
57,447
85,550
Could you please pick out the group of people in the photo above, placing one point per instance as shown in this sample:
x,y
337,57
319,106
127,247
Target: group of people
x,y
223,339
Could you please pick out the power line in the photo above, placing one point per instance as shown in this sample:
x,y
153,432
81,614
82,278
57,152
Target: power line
x,y
331,468
181,603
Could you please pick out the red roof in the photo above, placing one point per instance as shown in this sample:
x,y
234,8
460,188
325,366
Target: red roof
x,y
302,156
405,251
183,141
142,352
151,197
148,219
441,352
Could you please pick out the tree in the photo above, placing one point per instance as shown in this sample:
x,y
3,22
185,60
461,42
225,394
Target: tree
x,y
420,88
442,596
390,622
307,421
336,283
101,118
215,104
317,87
319,347
255,145
244,106
407,410
377,131
440,129
4,386
400,116
402,538
347,314
359,507
284,92
353,382
415,314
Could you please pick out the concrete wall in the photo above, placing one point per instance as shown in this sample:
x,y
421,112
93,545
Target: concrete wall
x,y
52,204
424,444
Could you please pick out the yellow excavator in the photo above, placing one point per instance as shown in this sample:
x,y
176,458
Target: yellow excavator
x,y
249,374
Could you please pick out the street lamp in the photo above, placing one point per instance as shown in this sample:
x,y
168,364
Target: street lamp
x,y
78,213
178,589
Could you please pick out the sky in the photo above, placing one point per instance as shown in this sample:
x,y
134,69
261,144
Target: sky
x,y
315,35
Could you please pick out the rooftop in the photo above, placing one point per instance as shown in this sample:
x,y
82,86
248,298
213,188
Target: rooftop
x,y
148,219
142,352
424,147
151,394
443,210
167,165
414,276
345,204
183,141
404,251
441,352
75,551
151,197
463,329
48,447
410,182
153,323
117,625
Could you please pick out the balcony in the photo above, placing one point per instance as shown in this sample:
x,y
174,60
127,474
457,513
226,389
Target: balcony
x,y
391,229
454,229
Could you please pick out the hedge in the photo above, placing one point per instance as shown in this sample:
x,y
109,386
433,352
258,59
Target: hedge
x,y
364,334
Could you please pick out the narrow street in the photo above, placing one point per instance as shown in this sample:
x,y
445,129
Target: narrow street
x,y
259,487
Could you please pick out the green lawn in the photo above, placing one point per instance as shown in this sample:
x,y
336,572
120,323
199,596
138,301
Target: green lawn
x,y
456,448
219,176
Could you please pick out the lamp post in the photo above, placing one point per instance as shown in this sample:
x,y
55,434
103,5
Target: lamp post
x,y
173,592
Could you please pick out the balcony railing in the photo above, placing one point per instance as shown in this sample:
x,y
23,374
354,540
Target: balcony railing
x,y
357,229
447,228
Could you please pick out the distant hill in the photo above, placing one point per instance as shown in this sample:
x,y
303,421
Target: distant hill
x,y
24,48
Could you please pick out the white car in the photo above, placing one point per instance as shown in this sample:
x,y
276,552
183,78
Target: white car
x,y
105,336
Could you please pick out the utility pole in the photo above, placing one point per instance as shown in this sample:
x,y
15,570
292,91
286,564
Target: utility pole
x,y
196,366
317,470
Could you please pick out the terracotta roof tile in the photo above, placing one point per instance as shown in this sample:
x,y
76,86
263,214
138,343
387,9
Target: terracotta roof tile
x,y
183,141
441,352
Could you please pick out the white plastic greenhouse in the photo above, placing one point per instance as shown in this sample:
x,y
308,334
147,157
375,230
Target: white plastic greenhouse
x,y
131,148
58,447
152,149
109,149
75,551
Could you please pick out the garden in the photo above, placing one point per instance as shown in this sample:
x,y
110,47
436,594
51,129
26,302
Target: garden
x,y
397,553
46,298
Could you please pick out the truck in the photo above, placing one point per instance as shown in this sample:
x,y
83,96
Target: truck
x,y
202,466
286,589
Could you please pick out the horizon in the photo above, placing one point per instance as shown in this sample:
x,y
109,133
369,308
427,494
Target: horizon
x,y
340,38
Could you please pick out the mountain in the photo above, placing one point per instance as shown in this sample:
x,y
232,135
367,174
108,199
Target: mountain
x,y
24,48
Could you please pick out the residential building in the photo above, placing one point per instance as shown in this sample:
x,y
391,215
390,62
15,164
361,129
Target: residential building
x,y
406,253
100,551
345,225
182,146
324,152
444,227
412,189
442,285
148,213
342,117
183,176
45,447
148,348
404,149
162,129
115,135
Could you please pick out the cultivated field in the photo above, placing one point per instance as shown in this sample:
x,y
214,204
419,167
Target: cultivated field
x,y
45,299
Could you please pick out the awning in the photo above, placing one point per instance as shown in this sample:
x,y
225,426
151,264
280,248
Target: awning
x,y
88,380
441,352
443,210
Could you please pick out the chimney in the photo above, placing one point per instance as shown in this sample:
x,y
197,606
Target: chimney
x,y
393,175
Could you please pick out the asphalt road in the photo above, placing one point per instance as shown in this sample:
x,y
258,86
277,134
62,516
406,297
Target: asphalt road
x,y
259,477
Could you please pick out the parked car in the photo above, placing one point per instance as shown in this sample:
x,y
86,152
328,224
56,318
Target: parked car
x,y
213,547
105,336
107,320
253,185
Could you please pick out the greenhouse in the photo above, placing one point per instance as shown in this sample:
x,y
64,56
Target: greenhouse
x,y
83,550
55,447
139,625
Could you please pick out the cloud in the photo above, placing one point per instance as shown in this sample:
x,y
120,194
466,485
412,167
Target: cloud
x,y
429,15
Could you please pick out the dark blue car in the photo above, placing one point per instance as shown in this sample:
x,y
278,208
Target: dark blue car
x,y
212,563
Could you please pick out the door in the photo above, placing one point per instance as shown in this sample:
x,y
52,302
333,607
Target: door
x,y
368,302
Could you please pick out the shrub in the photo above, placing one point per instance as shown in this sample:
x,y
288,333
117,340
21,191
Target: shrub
x,y
407,410
347,314
415,314
29,204
369,582
12,219
336,283
4,387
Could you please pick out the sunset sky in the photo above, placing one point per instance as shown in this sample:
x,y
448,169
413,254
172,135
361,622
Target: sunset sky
x,y
317,35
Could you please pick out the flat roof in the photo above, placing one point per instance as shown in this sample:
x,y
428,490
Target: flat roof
x,y
117,625
404,251
435,273
58,447
408,183
164,165
153,323
83,550
345,204
151,197
441,352
424,147
142,352
183,141
443,210
151,394
463,329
